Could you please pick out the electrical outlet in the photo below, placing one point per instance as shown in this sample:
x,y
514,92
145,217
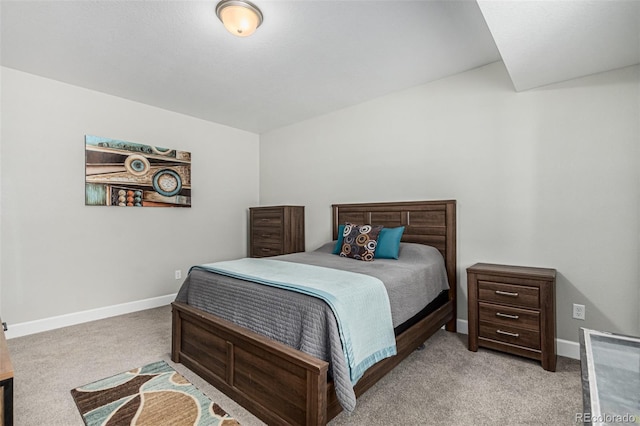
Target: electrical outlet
x,y
178,274
578,311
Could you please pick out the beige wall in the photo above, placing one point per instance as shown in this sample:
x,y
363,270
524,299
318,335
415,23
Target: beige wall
x,y
60,256
548,177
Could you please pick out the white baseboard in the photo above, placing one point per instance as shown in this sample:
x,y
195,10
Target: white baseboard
x,y
46,324
568,348
462,326
565,348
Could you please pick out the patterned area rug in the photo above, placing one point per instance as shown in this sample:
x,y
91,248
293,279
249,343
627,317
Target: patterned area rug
x,y
151,395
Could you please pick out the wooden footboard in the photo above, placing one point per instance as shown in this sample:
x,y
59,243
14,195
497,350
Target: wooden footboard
x,y
277,383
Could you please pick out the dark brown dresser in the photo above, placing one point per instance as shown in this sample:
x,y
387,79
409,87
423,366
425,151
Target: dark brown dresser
x,y
276,230
512,309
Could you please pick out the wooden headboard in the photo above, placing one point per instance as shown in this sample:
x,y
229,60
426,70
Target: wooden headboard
x,y
426,222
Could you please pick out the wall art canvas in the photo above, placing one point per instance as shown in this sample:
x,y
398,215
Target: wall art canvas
x,y
127,174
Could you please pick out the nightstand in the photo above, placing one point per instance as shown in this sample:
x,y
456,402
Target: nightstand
x,y
276,230
512,309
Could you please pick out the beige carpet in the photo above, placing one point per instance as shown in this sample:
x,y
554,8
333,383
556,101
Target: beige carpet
x,y
444,384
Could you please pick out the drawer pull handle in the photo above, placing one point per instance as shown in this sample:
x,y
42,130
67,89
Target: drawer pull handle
x,y
265,249
500,314
506,293
265,235
506,333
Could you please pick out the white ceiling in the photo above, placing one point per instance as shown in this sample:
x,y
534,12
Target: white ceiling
x,y
309,57
543,42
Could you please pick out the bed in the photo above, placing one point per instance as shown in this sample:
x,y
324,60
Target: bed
x,y
282,385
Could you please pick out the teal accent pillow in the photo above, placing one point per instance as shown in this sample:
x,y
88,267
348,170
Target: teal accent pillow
x,y
389,243
338,247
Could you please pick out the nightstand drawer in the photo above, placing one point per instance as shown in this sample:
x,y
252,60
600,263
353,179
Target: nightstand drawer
x,y
514,295
509,316
513,335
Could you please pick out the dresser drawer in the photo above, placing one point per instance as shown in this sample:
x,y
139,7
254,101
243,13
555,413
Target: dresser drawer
x,y
267,218
513,335
266,235
514,295
509,316
265,250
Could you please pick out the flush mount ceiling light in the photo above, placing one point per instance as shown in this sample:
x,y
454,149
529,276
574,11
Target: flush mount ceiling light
x,y
241,18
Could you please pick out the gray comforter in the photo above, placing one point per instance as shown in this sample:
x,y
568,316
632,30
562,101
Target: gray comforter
x,y
306,323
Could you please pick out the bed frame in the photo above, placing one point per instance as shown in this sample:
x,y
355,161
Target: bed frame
x,y
282,385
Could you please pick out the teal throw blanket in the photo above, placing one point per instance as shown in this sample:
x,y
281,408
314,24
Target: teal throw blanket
x,y
359,302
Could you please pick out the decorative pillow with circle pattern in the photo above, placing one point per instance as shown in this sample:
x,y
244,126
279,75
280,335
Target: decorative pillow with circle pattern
x,y
360,241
